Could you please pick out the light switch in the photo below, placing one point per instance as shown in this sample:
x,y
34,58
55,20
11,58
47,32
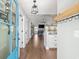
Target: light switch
x,y
76,33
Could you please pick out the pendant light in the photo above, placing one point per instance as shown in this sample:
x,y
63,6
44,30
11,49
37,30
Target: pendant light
x,y
34,8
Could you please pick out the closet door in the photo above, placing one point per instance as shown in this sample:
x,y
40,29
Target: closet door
x,y
68,39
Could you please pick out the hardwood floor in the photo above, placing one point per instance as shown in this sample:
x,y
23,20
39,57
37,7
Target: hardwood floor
x,y
35,50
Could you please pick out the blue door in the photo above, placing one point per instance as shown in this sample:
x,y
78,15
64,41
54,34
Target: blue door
x,y
9,24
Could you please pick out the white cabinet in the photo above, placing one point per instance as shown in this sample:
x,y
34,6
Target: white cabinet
x,y
50,39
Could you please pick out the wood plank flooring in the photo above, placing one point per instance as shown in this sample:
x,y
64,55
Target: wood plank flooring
x,y
35,50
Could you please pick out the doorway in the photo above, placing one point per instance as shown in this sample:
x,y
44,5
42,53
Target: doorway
x,y
41,29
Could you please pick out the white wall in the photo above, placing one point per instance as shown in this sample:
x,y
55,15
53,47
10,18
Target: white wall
x,y
24,31
68,39
29,29
35,29
21,32
65,4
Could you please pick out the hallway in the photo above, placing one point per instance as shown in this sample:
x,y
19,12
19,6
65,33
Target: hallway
x,y
35,50
39,29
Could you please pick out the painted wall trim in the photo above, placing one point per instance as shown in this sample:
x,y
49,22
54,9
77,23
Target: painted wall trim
x,y
67,13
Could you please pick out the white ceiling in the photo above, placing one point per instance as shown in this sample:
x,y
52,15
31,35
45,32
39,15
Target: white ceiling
x,y
47,8
42,19
44,6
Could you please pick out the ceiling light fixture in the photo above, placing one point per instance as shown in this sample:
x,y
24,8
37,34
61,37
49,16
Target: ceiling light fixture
x,y
34,8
